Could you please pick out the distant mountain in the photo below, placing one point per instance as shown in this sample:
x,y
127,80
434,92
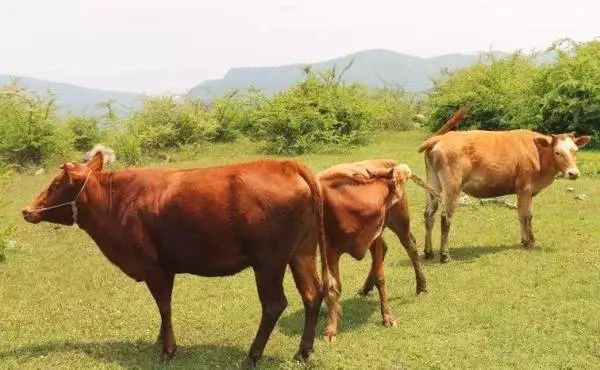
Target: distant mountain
x,y
375,68
77,99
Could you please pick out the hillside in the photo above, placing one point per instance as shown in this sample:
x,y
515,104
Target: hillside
x,y
375,68
77,99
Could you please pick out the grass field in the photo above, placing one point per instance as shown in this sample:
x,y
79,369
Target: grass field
x,y
63,305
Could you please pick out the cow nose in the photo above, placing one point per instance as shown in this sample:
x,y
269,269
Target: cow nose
x,y
573,174
25,212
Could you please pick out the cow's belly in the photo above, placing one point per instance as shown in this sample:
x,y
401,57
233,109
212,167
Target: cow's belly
x,y
486,186
204,254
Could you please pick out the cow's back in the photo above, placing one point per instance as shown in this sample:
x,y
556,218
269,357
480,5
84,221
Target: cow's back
x,y
354,211
489,162
217,221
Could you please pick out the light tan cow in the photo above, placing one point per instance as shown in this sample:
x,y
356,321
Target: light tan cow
x,y
360,200
487,164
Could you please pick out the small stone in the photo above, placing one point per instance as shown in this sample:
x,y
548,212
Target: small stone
x,y
581,196
40,172
570,190
464,200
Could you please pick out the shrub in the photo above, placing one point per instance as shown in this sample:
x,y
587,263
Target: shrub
x,y
392,109
29,135
319,112
84,130
570,91
498,93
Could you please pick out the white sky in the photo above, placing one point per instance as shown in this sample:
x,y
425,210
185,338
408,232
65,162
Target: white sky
x,y
151,45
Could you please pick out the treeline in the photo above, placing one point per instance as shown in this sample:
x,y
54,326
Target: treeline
x,y
518,92
320,113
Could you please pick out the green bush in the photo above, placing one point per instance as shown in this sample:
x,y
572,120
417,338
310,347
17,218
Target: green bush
x,y
570,91
498,93
392,109
318,113
84,130
29,134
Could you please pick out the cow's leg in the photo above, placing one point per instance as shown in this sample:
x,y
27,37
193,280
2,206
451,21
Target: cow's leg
x,y
269,282
304,270
451,191
525,205
377,253
370,280
160,284
431,208
398,220
334,310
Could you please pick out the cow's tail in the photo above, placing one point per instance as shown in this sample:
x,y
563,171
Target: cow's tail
x,y
450,125
330,291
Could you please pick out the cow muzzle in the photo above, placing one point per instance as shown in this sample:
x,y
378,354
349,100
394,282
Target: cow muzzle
x,y
31,216
573,173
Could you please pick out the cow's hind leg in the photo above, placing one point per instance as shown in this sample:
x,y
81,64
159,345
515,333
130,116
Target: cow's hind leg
x,y
431,208
304,270
160,284
398,220
334,310
451,191
370,280
269,282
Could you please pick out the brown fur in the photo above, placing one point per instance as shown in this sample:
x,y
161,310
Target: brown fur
x,y
487,164
155,223
361,199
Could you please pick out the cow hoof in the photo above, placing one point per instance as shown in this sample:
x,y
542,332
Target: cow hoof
x,y
248,363
166,355
428,255
364,292
421,289
529,245
330,337
389,322
302,355
445,258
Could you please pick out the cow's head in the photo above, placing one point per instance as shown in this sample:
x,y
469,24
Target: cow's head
x,y
564,148
57,203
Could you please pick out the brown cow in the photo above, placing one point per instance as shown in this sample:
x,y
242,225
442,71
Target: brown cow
x,y
488,164
362,198
155,223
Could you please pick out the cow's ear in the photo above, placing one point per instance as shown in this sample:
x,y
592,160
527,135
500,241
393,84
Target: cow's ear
x,y
68,168
97,162
582,141
543,141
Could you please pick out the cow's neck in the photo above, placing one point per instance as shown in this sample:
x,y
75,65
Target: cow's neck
x,y
99,208
548,169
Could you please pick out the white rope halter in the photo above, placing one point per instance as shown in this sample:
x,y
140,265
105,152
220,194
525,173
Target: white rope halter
x,y
72,203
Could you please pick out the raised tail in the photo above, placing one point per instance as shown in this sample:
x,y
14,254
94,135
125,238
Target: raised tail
x,y
454,121
329,284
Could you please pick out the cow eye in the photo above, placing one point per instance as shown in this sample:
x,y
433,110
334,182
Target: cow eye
x,y
557,153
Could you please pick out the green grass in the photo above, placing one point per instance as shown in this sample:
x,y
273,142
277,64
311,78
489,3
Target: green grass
x,y
63,305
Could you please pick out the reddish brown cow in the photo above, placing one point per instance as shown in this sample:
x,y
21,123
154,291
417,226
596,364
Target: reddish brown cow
x,y
488,164
362,198
155,223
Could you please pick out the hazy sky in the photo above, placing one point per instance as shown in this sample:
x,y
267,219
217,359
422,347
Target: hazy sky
x,y
155,46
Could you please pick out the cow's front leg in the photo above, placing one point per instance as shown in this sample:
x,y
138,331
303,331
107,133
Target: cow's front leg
x,y
525,206
160,284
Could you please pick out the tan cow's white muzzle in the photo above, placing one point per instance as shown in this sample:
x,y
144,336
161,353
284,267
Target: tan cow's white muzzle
x,y
573,173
